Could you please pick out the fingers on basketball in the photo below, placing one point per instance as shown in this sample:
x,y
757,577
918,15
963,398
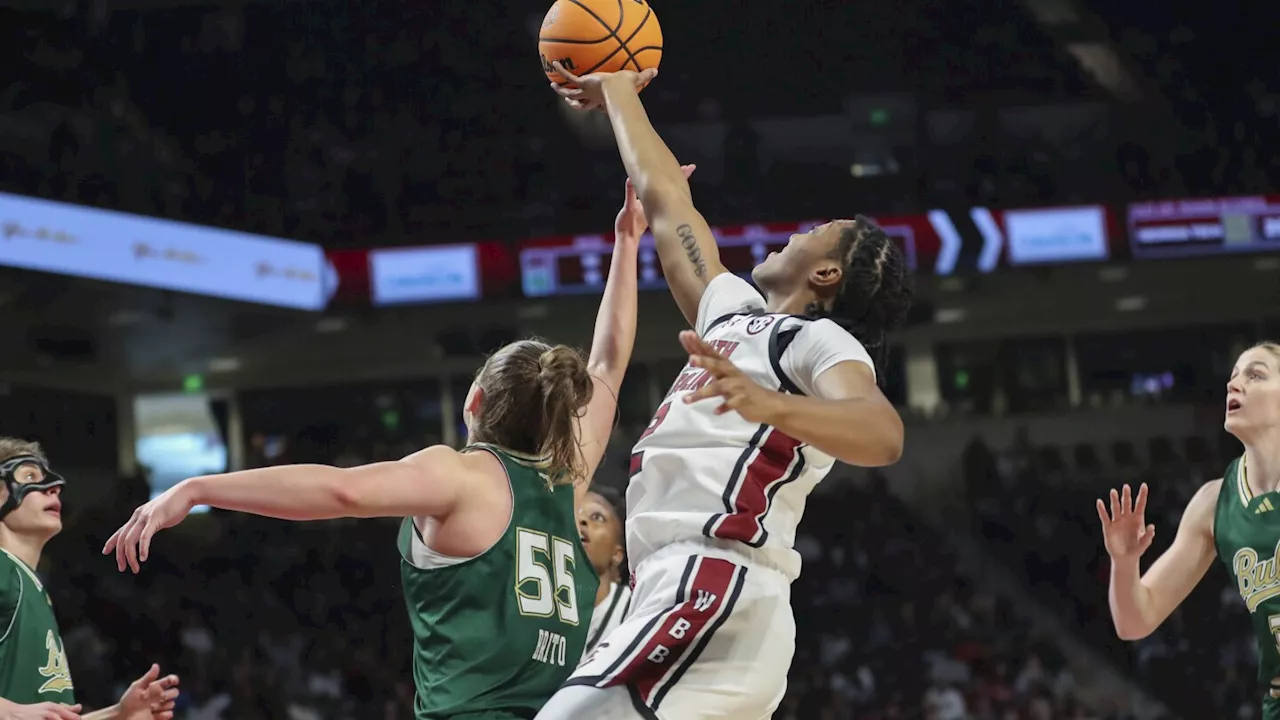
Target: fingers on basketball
x,y
586,36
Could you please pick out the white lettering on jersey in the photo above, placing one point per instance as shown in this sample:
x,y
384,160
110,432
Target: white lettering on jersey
x,y
551,648
705,601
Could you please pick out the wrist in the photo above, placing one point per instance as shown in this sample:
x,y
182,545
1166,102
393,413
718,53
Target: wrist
x,y
779,410
191,492
1125,567
618,82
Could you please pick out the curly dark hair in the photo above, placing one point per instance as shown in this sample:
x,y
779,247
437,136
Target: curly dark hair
x,y
875,289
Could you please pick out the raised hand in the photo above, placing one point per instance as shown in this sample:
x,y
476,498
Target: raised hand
x,y
150,697
1124,529
631,222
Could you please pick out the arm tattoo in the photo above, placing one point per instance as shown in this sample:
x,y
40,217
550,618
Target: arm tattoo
x,y
689,242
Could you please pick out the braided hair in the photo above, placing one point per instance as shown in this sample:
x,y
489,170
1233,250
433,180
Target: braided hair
x,y
875,289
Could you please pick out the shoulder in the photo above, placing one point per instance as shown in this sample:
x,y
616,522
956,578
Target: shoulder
x,y
10,575
11,589
1202,506
726,295
1207,494
477,467
805,348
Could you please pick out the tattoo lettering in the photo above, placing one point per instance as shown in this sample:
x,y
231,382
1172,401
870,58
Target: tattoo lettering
x,y
689,242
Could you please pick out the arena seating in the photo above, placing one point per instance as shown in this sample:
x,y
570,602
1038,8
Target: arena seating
x,y
1035,507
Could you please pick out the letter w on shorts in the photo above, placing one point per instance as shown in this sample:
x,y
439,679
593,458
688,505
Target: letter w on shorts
x,y
655,657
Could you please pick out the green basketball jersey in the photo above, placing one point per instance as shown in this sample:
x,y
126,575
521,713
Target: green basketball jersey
x,y
33,668
1246,530
496,635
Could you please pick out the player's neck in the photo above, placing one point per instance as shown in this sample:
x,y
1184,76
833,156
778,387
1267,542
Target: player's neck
x,y
24,547
788,303
602,592
1262,465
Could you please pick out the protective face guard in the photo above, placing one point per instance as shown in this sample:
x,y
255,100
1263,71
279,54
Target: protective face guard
x,y
17,490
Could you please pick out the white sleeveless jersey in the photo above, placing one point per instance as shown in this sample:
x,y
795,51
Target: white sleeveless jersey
x,y
720,479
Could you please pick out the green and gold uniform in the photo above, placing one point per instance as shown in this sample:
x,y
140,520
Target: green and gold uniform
x,y
1246,531
33,668
494,636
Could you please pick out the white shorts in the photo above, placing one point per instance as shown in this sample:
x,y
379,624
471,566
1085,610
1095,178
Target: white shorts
x,y
706,637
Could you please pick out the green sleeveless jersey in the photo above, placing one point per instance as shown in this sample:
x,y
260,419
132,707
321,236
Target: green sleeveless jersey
x,y
33,668
1246,531
496,635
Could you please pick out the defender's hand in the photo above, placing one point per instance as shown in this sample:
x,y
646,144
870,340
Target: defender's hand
x,y
1124,530
132,542
737,391
631,222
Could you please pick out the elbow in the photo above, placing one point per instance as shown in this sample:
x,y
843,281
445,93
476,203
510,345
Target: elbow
x,y
888,450
608,368
1131,626
894,441
347,499
1130,632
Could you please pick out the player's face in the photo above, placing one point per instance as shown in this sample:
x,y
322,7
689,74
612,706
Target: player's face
x,y
40,512
803,254
1253,393
601,534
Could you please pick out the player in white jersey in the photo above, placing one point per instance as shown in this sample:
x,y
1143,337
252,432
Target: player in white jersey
x,y
779,385
603,534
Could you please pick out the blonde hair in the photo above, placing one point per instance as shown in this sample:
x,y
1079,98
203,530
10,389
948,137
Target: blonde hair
x,y
1269,346
534,395
12,447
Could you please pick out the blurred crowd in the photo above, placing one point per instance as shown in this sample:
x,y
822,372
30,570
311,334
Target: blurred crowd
x,y
313,627
395,122
388,122
1034,505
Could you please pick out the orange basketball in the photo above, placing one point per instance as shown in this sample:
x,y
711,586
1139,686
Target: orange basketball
x,y
589,36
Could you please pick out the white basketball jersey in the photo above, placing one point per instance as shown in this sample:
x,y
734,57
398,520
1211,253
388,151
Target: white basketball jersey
x,y
608,615
720,479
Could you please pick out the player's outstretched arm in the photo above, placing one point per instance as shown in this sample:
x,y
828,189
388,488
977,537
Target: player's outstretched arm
x,y
429,482
615,334
1140,603
39,711
686,247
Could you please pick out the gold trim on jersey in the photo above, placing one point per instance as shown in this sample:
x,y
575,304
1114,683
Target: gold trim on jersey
x,y
1242,483
30,573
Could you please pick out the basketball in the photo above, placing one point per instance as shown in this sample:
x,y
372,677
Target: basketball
x,y
588,36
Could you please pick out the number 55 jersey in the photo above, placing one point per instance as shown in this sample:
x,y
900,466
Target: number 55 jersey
x,y
495,635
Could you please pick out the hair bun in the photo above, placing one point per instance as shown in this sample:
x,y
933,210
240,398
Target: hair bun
x,y
562,368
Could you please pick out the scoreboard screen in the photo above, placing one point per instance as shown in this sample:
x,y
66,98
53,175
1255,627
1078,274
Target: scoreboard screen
x,y
1209,226
580,264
